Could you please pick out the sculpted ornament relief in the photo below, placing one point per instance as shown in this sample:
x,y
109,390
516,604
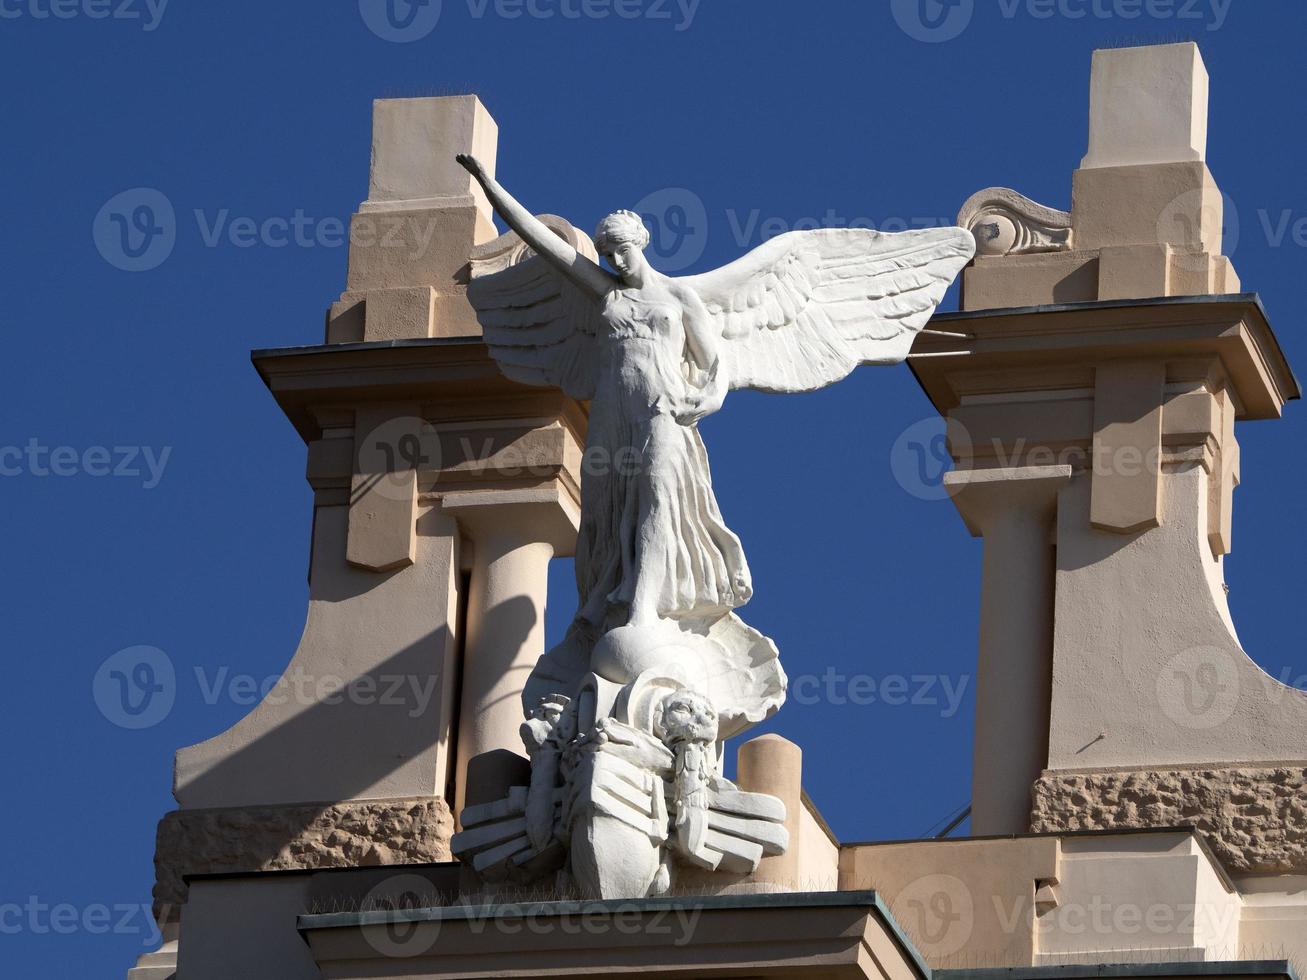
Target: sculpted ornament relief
x,y
627,716
1007,223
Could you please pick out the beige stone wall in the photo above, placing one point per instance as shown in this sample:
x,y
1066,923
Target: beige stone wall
x,y
963,903
818,850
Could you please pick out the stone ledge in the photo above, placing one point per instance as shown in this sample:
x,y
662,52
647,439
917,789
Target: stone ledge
x,y
820,935
1254,818
356,833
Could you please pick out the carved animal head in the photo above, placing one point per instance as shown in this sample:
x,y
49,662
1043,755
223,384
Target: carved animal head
x,y
688,717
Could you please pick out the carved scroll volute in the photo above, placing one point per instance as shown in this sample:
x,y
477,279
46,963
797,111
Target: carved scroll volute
x,y
509,249
1007,223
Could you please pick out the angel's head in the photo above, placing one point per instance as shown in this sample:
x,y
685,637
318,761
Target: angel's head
x,y
621,238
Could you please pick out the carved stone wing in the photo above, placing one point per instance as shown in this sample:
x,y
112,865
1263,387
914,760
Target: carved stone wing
x,y
804,309
494,841
734,832
539,327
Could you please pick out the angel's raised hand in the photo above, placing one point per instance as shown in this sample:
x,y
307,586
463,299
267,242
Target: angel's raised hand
x,y
471,164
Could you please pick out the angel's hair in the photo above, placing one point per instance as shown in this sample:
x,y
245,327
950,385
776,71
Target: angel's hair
x,y
618,229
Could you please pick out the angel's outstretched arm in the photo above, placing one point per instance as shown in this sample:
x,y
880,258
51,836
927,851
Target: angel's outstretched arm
x,y
580,270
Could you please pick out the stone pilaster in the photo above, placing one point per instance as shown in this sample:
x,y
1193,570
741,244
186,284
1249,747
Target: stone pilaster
x,y
513,534
1013,509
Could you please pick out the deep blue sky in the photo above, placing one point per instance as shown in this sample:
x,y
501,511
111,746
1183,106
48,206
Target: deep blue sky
x,y
777,110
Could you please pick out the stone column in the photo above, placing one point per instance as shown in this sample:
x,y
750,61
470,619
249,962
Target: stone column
x,y
513,535
773,765
1013,509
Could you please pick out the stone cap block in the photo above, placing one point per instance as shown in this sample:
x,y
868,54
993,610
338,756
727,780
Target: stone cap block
x,y
1147,105
414,142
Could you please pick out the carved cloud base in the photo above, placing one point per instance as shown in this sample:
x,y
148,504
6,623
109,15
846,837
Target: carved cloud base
x,y
1254,818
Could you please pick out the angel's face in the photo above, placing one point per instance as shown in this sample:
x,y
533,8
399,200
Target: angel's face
x,y
628,262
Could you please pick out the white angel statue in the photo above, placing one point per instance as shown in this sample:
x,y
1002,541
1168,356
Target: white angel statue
x,y
653,355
